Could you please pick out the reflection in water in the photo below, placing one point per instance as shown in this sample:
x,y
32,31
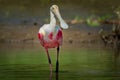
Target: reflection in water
x,y
84,64
57,69
56,76
50,78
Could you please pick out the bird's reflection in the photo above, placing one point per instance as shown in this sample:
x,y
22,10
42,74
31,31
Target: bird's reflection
x,y
56,75
50,76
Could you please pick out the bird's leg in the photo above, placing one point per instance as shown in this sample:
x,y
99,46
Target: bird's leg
x,y
57,62
49,60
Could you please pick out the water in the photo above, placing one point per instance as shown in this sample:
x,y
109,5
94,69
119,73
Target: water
x,y
29,62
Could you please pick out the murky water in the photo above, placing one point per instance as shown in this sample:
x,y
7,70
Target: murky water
x,y
29,62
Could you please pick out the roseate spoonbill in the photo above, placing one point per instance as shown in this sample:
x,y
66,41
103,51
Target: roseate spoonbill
x,y
50,35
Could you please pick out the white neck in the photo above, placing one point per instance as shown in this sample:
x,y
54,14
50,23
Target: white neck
x,y
52,19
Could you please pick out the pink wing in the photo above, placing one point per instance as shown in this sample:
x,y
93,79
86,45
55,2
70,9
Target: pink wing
x,y
59,37
40,36
53,42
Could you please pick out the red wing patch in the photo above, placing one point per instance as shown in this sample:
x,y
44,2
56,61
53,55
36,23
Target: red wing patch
x,y
40,36
50,36
59,35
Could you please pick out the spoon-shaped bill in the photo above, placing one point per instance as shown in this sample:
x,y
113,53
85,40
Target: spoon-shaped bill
x,y
63,24
55,10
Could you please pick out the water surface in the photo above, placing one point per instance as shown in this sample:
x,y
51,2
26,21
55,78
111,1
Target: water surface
x,y
29,62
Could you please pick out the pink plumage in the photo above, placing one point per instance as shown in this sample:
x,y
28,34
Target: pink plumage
x,y
50,35
54,40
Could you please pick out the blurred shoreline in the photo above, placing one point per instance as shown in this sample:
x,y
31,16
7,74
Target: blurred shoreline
x,y
72,37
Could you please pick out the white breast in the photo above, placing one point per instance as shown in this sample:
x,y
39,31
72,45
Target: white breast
x,y
46,29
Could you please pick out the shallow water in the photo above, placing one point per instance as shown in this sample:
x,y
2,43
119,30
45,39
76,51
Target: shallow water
x,y
29,62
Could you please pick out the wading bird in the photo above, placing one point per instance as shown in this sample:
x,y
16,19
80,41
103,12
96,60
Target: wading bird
x,y
50,35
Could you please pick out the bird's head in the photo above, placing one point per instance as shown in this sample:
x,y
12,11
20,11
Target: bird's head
x,y
55,9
